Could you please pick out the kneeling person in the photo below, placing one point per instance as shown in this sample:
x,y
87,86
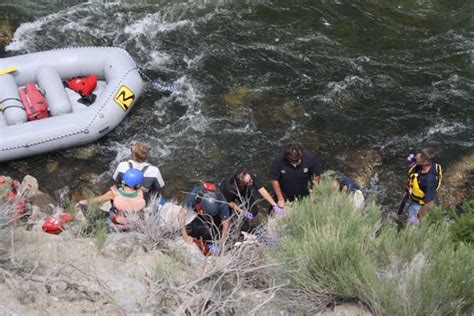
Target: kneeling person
x,y
212,215
240,191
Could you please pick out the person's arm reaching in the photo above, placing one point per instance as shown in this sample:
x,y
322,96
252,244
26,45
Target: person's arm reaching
x,y
264,193
182,214
109,195
276,187
225,230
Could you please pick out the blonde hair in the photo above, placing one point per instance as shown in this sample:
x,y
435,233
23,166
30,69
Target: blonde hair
x,y
139,152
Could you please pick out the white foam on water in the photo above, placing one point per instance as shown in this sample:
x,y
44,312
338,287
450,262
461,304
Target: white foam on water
x,y
192,123
122,153
445,128
74,20
190,62
325,22
154,23
26,33
248,129
441,128
337,89
156,59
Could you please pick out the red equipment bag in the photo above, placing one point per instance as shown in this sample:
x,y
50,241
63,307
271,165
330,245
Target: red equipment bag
x,y
83,85
34,102
55,225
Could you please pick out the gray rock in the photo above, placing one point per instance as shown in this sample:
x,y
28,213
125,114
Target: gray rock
x,y
361,164
458,181
29,186
7,29
45,203
121,245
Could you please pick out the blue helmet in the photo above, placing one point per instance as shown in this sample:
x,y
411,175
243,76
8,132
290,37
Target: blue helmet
x,y
209,203
133,177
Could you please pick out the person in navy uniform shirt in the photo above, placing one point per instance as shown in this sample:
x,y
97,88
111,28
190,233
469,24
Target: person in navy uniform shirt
x,y
293,172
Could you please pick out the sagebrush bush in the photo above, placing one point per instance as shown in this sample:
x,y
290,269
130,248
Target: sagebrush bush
x,y
330,247
462,228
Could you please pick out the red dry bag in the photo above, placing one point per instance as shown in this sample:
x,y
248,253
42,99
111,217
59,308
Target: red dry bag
x,y
34,102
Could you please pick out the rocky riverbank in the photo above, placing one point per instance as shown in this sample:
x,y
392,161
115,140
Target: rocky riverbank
x,y
145,272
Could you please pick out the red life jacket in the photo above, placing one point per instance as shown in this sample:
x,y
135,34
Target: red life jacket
x,y
207,186
34,102
83,85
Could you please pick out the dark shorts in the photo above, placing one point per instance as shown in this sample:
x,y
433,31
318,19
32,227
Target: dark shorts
x,y
205,228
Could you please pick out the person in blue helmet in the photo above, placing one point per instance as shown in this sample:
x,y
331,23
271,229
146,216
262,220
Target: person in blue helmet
x,y
205,215
128,198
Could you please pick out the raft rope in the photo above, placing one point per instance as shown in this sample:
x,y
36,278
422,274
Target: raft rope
x,y
158,85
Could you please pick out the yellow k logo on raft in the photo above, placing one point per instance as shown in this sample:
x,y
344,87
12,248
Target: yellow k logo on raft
x,y
124,97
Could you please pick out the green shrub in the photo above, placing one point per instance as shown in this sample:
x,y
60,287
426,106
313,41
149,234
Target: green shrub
x,y
462,228
328,246
95,224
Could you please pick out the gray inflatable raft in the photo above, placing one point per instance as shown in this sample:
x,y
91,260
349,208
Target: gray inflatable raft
x,y
69,123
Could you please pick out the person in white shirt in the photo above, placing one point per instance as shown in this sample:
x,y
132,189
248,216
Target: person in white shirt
x,y
153,181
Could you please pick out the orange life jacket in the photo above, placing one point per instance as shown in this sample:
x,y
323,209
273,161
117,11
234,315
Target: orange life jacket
x,y
124,204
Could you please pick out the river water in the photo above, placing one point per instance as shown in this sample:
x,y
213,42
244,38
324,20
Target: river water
x,y
251,76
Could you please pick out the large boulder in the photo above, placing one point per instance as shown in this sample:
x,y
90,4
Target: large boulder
x,y
268,111
458,182
7,29
44,202
236,102
120,246
361,164
29,186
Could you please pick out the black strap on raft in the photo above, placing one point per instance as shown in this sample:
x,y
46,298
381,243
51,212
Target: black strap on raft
x,y
5,107
12,106
88,99
84,99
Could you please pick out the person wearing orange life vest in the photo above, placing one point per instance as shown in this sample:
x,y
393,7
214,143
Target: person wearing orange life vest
x,y
128,198
424,180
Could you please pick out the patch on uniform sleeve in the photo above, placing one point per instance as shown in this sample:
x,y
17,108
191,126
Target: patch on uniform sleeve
x,y
305,170
282,171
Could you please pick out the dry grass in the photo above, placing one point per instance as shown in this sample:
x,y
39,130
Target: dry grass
x,y
235,282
